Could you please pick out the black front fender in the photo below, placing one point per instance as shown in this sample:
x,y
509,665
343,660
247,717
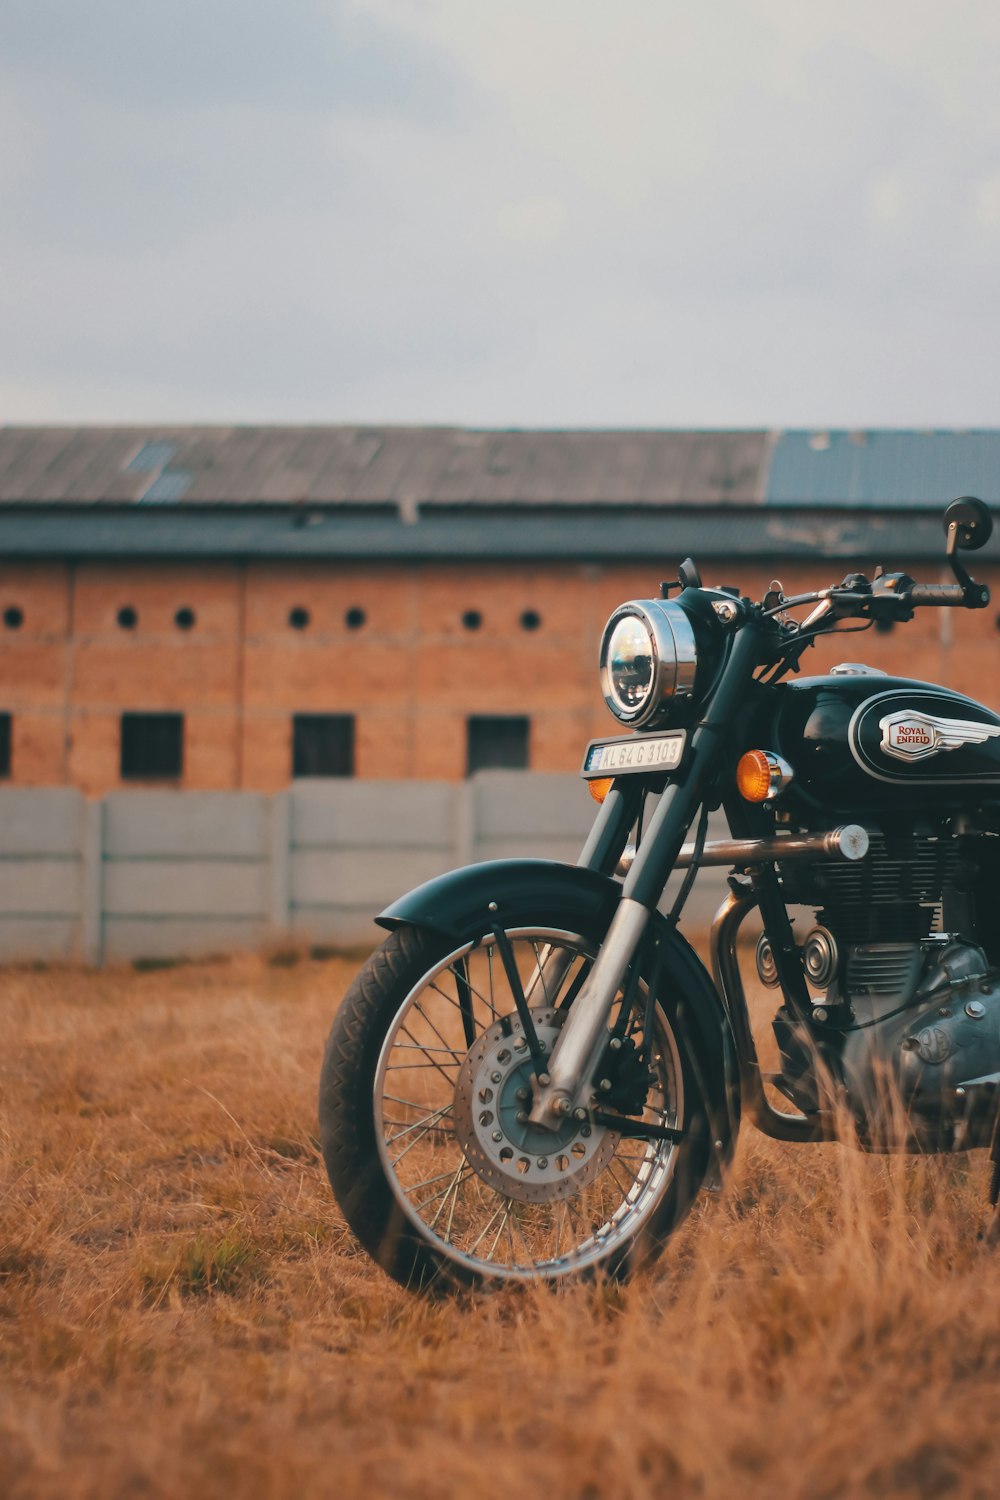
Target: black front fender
x,y
459,905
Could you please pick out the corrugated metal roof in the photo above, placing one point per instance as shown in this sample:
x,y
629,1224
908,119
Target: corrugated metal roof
x,y
407,473
883,468
404,466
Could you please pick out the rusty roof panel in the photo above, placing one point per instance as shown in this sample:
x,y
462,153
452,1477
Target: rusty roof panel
x,y
408,466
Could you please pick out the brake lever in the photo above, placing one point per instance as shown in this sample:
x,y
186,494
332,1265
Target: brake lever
x,y
823,608
841,603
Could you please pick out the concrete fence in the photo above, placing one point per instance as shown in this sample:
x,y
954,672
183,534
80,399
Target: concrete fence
x,y
148,874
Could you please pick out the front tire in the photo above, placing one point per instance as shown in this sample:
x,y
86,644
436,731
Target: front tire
x,y
422,1089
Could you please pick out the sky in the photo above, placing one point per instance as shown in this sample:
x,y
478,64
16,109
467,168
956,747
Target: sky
x,y
528,213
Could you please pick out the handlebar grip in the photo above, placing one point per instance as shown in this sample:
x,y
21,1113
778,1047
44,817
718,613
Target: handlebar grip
x,y
940,593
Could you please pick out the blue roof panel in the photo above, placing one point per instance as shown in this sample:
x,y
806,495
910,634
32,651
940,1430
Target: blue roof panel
x,y
151,458
168,487
882,468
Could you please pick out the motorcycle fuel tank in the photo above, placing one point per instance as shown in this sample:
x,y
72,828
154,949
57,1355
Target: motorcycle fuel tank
x,y
859,739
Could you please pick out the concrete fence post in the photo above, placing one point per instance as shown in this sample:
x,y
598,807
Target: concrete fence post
x,y
279,856
464,822
92,882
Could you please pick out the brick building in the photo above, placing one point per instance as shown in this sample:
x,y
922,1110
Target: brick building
x,y
231,607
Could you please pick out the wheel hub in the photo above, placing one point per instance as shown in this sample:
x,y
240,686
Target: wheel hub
x,y
524,1161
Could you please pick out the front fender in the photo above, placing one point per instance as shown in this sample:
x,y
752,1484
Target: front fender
x,y
459,905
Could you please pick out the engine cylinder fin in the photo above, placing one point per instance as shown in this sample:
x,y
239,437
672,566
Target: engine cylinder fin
x,y
889,971
887,896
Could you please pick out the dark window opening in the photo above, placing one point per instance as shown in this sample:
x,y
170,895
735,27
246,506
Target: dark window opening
x,y
184,618
152,747
497,741
472,619
5,725
323,745
530,620
13,617
355,618
299,617
128,619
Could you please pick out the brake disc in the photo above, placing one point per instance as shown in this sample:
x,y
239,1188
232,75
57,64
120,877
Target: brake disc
x,y
521,1160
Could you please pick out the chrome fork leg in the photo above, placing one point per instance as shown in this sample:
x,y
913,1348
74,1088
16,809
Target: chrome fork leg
x,y
578,1049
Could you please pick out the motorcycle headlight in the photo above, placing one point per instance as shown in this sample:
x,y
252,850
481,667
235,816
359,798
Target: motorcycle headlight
x,y
649,659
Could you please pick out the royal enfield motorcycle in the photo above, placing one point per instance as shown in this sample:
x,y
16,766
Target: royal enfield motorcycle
x,y
534,1075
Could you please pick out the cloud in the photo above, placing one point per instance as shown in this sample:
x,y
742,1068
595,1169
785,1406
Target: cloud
x,y
146,56
448,210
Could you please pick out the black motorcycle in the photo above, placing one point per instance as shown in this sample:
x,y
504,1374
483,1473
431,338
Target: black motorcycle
x,y
534,1074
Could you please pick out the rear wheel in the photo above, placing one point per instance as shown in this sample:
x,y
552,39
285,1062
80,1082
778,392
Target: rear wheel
x,y
424,1095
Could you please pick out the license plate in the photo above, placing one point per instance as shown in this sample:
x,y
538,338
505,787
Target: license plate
x,y
638,753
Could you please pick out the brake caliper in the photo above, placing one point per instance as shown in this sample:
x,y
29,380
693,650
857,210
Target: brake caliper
x,y
623,1079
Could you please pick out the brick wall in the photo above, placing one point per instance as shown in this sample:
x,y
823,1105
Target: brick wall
x,y
411,672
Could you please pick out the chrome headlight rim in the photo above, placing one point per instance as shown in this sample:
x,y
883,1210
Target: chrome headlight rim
x,y
674,652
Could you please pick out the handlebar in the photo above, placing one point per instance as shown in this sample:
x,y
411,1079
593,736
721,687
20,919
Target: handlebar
x,y
975,597
893,596
888,597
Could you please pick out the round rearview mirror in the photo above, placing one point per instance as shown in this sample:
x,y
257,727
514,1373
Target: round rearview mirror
x,y
972,521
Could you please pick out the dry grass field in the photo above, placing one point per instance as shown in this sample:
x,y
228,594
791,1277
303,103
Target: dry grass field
x,y
183,1313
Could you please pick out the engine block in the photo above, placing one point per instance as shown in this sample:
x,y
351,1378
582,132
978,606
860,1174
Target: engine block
x,y
921,1050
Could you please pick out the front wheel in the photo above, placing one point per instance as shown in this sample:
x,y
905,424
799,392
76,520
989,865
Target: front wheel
x,y
424,1094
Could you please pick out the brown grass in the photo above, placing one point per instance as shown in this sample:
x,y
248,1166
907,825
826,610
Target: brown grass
x,y
182,1311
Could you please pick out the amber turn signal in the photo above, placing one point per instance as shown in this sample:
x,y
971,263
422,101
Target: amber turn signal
x,y
600,788
761,776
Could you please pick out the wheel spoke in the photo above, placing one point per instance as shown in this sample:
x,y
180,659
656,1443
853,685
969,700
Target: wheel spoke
x,y
395,1160
429,1182
540,972
461,1172
455,1051
432,1119
432,1064
419,1047
474,991
507,1205
410,1103
441,1193
617,1180
486,1229
456,1004
417,1067
575,1214
510,1237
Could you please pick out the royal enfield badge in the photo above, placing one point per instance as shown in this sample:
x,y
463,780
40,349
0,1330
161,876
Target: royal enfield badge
x,y
911,735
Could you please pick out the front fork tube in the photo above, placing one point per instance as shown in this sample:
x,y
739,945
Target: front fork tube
x,y
581,1042
601,852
